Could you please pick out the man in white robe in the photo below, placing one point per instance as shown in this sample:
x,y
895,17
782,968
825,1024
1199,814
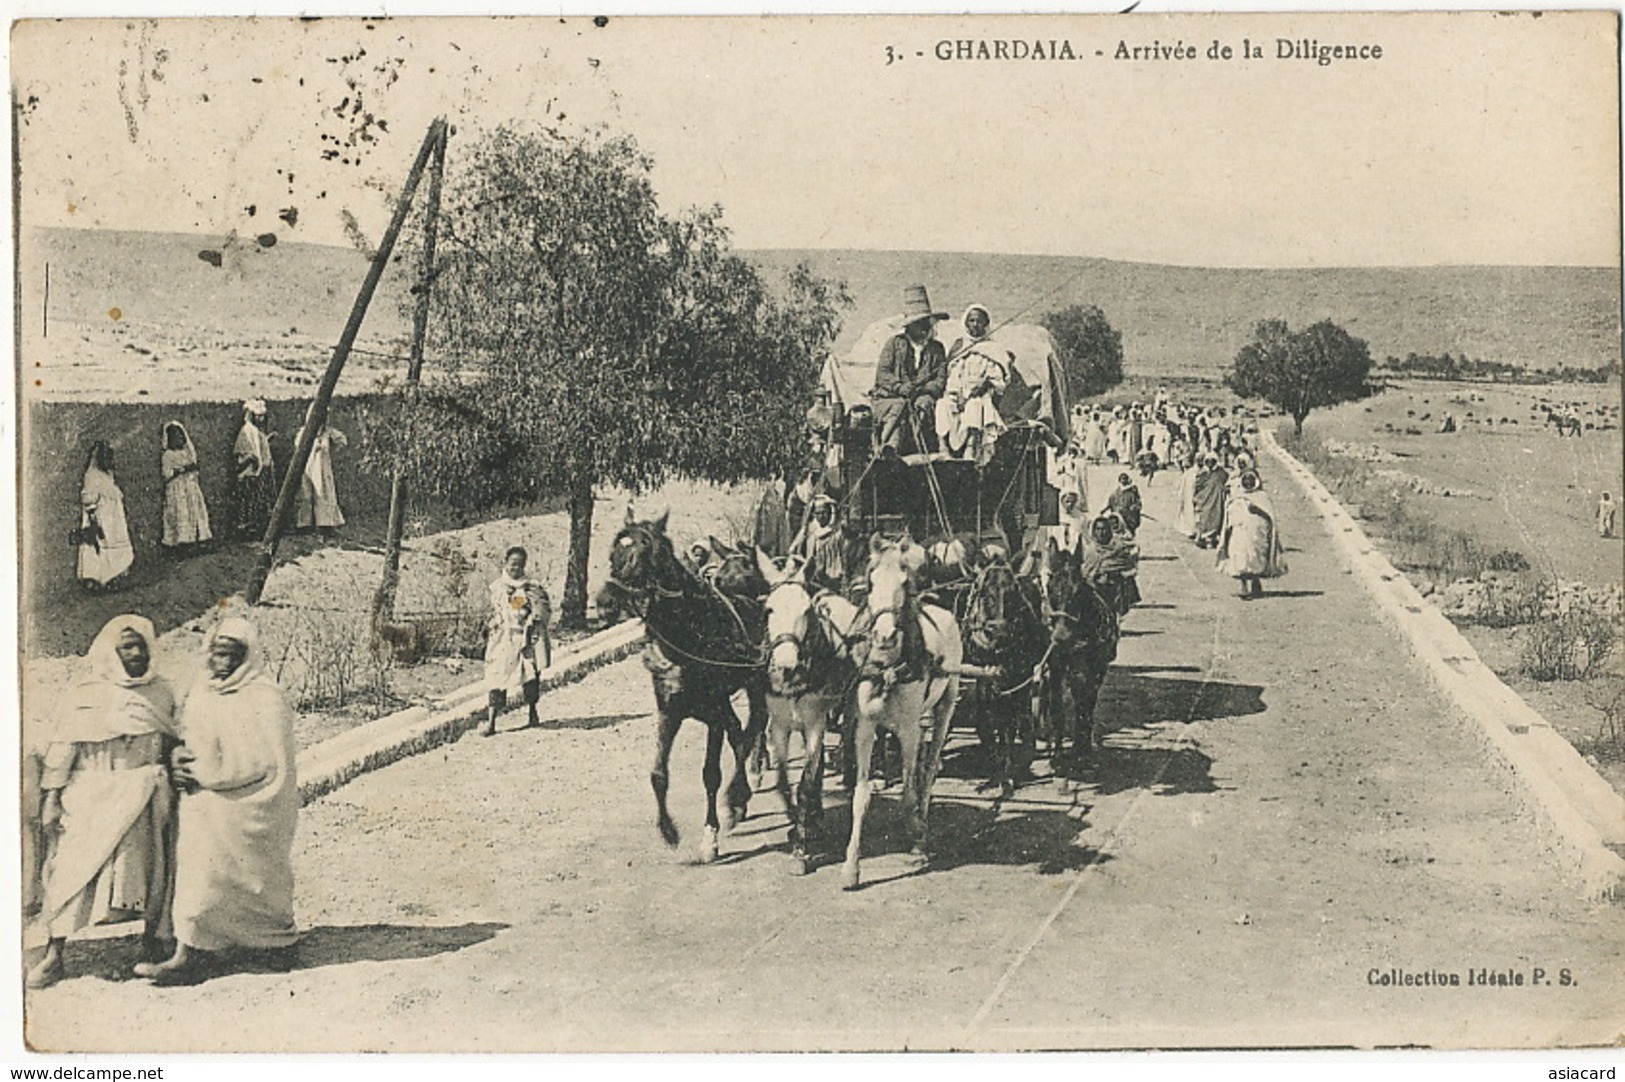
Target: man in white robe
x,y
234,858
106,801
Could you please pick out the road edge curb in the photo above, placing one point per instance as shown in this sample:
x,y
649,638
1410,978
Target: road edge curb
x,y
324,767
1516,735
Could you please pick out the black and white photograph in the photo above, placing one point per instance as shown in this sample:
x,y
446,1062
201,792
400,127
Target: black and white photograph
x,y
752,534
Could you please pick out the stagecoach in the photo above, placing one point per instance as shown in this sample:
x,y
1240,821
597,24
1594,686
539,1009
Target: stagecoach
x,y
930,494
809,651
962,509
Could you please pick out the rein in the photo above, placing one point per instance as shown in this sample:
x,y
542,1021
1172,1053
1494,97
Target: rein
x,y
839,645
667,645
1037,672
645,599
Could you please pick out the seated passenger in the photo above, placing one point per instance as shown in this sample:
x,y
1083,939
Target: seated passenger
x,y
968,420
909,377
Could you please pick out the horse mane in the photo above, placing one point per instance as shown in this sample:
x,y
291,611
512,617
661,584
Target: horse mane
x,y
698,621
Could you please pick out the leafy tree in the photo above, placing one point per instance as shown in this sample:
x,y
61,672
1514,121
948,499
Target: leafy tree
x,y
1297,371
589,339
1091,351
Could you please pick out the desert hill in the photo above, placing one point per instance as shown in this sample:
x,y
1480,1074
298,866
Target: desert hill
x,y
1191,320
165,315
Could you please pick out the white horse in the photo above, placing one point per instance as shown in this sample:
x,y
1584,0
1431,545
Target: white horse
x,y
811,669
907,686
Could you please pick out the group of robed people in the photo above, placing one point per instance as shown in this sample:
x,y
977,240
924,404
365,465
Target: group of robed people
x,y
179,814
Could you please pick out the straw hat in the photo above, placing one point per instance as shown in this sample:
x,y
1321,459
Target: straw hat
x,y
917,306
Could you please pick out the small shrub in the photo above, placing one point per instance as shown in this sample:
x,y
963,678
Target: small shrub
x,y
457,626
325,660
1514,604
1507,560
1569,646
1609,702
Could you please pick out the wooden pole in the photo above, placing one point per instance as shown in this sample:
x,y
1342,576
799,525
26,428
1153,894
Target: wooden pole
x,y
324,393
384,603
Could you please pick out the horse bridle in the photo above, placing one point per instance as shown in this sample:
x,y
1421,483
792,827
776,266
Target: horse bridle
x,y
655,589
1051,615
642,597
819,619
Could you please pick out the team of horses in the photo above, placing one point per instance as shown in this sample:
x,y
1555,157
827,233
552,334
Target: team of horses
x,y
1023,649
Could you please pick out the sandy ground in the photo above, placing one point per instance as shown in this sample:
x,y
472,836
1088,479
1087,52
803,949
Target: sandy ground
x,y
128,360
1285,813
1515,486
332,580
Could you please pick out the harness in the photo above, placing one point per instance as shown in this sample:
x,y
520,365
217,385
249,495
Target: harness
x,y
824,643
886,675
974,625
644,599
1072,614
979,588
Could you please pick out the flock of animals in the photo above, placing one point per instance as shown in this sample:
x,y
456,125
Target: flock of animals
x,y
1566,418
1025,654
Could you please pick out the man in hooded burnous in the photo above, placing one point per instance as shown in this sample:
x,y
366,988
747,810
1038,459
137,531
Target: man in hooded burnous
x,y
979,369
910,377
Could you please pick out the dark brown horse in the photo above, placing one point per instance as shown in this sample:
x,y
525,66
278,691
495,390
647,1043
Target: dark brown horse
x,y
1004,631
704,645
1083,636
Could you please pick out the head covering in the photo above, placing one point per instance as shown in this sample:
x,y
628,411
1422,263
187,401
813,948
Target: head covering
x,y
1250,481
254,405
252,670
917,306
982,308
93,457
103,654
108,702
187,449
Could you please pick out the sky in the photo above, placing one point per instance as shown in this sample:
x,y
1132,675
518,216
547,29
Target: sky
x,y
1476,138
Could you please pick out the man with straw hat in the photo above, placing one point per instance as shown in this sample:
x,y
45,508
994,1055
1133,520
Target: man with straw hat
x,y
911,376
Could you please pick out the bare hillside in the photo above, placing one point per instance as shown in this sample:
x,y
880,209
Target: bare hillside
x,y
177,317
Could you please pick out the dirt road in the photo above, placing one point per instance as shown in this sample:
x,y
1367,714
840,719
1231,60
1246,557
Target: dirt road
x,y
1285,816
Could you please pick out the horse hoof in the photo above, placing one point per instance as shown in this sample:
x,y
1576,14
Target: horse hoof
x,y
668,831
708,847
1007,790
849,877
802,865
918,858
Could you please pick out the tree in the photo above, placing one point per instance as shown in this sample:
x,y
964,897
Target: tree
x,y
1091,351
587,339
1297,371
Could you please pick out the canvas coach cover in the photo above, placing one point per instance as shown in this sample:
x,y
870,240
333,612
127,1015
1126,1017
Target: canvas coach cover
x,y
851,377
